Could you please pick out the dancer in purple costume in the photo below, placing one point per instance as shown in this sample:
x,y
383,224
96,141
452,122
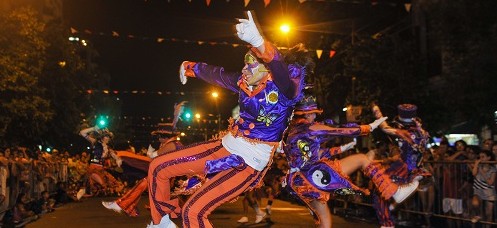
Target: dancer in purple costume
x,y
314,175
269,86
412,139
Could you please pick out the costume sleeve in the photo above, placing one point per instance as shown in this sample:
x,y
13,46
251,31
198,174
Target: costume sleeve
x,y
330,152
217,76
321,129
280,71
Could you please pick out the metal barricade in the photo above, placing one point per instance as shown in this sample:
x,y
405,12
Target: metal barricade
x,y
447,196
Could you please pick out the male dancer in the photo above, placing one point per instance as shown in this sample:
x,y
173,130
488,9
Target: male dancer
x,y
99,179
314,175
412,139
268,89
167,136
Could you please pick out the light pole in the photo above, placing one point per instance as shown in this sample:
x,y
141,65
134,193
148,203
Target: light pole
x,y
215,95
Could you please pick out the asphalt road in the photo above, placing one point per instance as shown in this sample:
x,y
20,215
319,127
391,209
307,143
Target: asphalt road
x,y
91,213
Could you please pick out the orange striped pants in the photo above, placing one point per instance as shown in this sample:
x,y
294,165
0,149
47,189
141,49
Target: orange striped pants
x,y
223,187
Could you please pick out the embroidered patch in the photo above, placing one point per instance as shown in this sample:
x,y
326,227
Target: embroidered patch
x,y
266,118
304,150
272,97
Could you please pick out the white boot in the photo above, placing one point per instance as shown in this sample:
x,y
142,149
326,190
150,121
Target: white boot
x,y
165,222
80,193
405,191
260,217
244,219
112,205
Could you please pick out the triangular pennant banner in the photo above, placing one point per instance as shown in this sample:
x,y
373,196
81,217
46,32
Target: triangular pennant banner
x,y
73,30
246,2
332,53
266,2
319,53
208,2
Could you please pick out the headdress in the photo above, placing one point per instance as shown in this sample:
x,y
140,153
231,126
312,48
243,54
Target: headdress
x,y
307,105
165,129
169,129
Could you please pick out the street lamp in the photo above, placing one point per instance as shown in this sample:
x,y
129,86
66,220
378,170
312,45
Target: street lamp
x,y
215,95
285,28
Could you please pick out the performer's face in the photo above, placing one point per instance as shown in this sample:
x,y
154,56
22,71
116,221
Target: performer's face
x,y
105,139
310,117
253,71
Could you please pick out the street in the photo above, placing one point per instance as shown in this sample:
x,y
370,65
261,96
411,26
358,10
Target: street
x,y
91,213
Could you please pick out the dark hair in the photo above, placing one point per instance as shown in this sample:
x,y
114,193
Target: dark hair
x,y
298,54
489,154
461,141
475,149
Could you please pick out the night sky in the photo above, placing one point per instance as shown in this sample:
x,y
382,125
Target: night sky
x,y
144,64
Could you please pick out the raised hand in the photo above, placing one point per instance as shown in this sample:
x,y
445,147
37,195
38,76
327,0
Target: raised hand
x,y
247,31
377,122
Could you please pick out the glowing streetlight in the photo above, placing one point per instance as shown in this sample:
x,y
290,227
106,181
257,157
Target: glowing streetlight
x,y
285,28
215,95
197,116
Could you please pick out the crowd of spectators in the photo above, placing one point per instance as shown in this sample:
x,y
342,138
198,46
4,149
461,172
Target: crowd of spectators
x,y
461,191
34,182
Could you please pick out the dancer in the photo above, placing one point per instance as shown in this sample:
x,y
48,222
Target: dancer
x,y
412,139
99,179
268,89
314,175
168,139
252,198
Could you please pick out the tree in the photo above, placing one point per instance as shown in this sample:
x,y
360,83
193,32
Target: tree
x,y
24,110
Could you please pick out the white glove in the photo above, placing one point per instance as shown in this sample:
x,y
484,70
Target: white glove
x,y
347,146
151,152
96,128
248,32
182,70
377,122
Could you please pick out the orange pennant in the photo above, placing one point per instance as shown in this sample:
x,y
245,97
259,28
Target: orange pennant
x,y
332,53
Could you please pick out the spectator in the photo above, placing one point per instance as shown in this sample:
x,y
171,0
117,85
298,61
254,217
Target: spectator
x,y
46,203
487,144
451,181
22,214
484,191
4,188
61,195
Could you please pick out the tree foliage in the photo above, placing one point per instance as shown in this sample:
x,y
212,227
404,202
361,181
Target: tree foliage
x,y
41,81
453,82
24,109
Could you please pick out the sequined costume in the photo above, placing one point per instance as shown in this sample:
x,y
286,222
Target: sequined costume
x,y
241,156
412,140
100,181
129,201
313,173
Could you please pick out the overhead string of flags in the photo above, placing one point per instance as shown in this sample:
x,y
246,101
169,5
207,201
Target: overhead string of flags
x,y
116,34
267,2
144,92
